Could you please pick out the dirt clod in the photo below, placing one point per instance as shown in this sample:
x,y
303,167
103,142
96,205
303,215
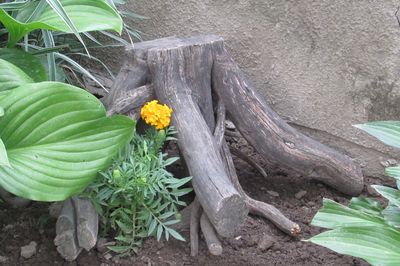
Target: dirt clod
x,y
273,193
300,194
265,242
29,250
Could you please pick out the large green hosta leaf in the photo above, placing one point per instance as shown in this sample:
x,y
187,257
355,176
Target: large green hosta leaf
x,y
26,62
11,76
334,215
86,15
57,138
377,245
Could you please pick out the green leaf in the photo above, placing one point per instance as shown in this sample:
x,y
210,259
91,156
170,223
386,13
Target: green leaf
x,y
119,249
85,15
124,227
391,194
366,205
3,155
393,171
175,234
152,226
57,137
160,230
26,62
11,76
334,215
386,131
59,9
392,216
377,245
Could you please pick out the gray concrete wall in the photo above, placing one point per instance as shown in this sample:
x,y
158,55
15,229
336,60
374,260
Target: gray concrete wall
x,y
323,65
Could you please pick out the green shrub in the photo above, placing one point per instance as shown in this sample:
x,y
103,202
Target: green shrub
x,y
365,228
137,197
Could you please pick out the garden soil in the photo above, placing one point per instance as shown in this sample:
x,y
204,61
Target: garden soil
x,y
258,242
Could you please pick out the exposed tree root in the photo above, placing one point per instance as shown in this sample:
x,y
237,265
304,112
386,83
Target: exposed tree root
x,y
213,243
238,153
195,215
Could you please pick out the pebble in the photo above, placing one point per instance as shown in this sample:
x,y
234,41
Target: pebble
x,y
229,125
3,259
300,194
29,250
311,203
273,193
108,256
265,242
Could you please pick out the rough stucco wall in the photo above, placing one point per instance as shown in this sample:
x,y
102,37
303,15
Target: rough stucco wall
x,y
323,65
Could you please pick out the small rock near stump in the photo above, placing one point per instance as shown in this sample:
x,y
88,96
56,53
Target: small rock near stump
x,y
265,242
273,193
29,250
300,194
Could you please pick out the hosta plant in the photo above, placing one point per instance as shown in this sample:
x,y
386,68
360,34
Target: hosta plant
x,y
365,228
137,197
54,137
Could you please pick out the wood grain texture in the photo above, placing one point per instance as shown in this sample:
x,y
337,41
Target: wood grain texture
x,y
181,77
273,138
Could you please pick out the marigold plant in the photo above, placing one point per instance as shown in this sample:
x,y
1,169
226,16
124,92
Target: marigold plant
x,y
157,115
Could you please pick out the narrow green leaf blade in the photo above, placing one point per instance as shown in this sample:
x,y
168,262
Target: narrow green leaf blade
x,y
391,194
3,155
386,131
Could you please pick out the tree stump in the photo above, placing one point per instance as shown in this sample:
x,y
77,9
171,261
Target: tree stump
x,y
200,81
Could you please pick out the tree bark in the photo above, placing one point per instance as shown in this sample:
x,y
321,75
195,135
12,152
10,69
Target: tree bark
x,y
273,138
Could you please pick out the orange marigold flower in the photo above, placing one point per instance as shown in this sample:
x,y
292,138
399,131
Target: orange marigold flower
x,y
156,114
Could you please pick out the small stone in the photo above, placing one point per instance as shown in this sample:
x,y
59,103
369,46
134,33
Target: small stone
x,y
311,203
116,259
229,125
392,162
252,240
273,193
3,259
108,256
265,242
300,194
29,250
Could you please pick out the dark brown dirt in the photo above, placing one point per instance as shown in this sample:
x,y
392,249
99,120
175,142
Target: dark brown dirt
x,y
257,243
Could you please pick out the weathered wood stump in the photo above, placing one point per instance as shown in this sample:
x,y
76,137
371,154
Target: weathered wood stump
x,y
76,228
200,81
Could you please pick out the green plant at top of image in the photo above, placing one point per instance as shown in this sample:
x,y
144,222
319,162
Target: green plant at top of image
x,y
365,228
54,138
61,31
137,197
